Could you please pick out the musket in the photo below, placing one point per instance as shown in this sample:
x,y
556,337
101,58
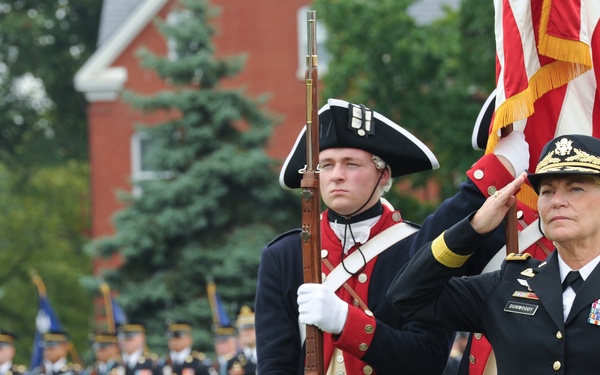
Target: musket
x,y
311,198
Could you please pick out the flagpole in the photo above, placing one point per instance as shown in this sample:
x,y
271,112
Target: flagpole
x,y
110,321
511,230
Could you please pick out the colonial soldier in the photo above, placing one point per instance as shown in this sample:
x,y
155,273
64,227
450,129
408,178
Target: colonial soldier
x,y
136,359
56,345
244,362
7,353
541,317
361,151
108,358
182,360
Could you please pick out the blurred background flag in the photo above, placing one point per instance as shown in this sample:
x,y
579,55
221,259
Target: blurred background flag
x,y
220,317
46,320
115,316
545,82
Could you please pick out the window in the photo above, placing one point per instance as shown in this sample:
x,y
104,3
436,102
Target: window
x,y
141,169
322,53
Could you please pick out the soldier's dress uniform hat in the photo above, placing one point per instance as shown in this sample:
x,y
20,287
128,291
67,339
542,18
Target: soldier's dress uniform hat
x,y
53,338
346,125
131,329
104,339
567,154
7,338
245,318
178,328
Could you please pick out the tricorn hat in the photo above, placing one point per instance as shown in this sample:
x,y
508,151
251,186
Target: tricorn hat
x,y
481,130
346,125
567,154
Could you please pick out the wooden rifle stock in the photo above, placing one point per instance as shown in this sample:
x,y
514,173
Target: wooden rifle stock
x,y
311,197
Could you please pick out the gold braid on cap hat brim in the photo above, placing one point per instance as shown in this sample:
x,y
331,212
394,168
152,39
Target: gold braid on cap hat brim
x,y
580,162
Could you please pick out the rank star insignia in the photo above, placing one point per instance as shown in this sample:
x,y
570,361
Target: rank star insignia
x,y
528,272
563,147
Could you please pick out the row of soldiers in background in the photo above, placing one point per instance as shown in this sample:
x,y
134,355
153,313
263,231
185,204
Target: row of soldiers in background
x,y
125,352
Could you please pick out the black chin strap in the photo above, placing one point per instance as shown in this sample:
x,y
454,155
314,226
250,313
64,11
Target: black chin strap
x,y
374,211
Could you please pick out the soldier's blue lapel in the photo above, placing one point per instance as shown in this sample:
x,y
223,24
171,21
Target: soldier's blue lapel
x,y
546,285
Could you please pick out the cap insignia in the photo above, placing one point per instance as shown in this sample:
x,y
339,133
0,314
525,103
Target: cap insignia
x,y
563,147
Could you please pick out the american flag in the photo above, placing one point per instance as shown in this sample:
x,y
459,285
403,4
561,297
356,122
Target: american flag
x,y
546,51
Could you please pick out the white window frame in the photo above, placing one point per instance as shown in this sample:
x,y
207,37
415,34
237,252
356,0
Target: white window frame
x,y
138,172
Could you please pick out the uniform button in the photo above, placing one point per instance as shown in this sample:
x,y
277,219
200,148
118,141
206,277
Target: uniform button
x,y
478,336
519,214
324,253
369,312
363,347
362,278
491,190
340,359
396,216
472,359
369,328
323,276
556,366
478,174
558,335
355,302
368,370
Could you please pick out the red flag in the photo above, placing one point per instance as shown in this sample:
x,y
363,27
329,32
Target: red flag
x,y
546,84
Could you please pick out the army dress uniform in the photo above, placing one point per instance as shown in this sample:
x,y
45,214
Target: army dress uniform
x,y
66,368
13,369
109,368
519,308
195,363
378,340
146,364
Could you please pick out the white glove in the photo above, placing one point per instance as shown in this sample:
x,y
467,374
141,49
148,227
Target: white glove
x,y
320,306
515,149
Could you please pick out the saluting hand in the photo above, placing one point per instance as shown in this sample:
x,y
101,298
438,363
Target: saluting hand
x,y
493,211
320,306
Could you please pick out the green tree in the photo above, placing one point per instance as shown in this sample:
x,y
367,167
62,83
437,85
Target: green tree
x,y
430,79
44,42
215,202
43,228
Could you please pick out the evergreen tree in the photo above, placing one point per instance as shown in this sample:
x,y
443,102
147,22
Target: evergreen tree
x,y
216,200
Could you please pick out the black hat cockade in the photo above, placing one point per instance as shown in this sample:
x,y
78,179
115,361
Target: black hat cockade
x,y
567,154
346,125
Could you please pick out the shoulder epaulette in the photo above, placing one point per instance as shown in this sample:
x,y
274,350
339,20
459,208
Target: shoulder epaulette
x,y
285,234
518,257
200,355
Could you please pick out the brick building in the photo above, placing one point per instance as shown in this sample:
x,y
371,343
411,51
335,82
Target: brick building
x,y
272,34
